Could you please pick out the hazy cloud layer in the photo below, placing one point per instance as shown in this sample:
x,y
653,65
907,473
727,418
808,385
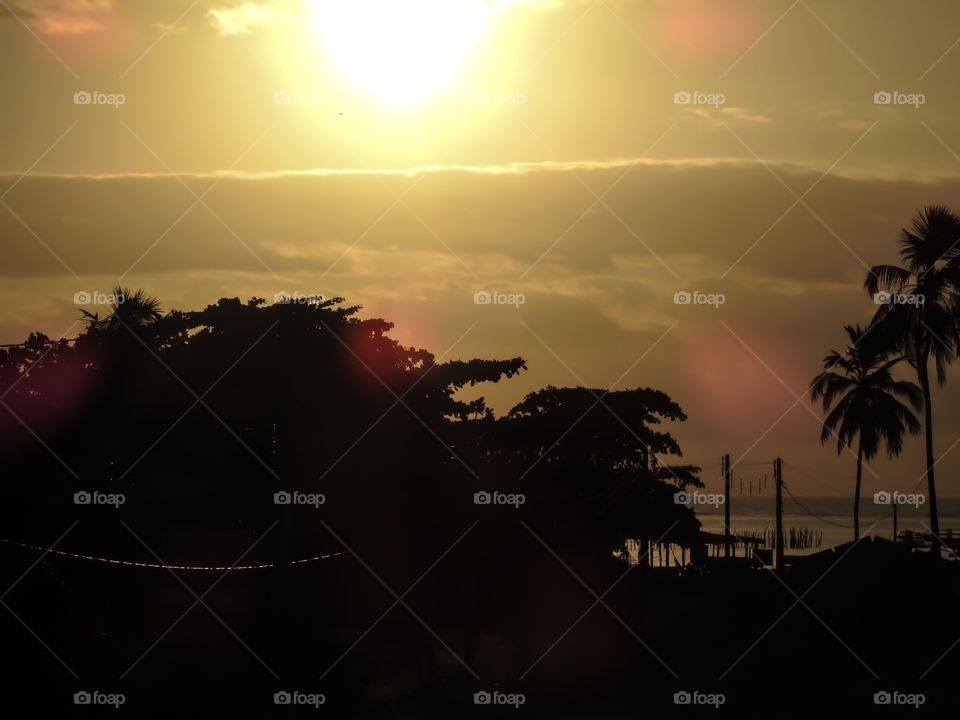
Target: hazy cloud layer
x,y
61,17
599,291
241,19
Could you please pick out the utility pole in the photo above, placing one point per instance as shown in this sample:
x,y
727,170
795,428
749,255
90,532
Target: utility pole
x,y
726,505
778,481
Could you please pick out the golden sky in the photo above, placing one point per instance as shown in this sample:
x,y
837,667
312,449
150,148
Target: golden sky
x,y
595,156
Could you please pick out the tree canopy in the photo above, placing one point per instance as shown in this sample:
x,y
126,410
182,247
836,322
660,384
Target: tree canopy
x,y
202,415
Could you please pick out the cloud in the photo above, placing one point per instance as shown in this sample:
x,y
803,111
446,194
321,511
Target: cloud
x,y
514,168
592,283
731,115
242,19
63,17
500,220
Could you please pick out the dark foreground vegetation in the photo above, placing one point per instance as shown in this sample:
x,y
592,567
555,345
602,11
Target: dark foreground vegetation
x,y
198,420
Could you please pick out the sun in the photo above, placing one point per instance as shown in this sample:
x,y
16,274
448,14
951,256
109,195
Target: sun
x,y
400,51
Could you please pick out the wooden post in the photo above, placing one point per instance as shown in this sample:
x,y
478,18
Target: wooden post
x,y
726,506
778,480
894,522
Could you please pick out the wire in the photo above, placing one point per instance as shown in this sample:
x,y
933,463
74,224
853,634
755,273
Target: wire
x,y
735,465
160,566
810,512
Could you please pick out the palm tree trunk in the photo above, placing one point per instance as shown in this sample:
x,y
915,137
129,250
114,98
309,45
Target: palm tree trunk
x,y
923,377
856,497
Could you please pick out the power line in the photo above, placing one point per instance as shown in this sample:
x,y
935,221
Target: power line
x,y
810,512
160,566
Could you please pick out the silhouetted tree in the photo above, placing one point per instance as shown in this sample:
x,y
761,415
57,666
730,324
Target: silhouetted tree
x,y
131,309
594,456
859,384
921,319
199,417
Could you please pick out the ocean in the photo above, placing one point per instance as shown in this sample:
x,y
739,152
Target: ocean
x,y
831,516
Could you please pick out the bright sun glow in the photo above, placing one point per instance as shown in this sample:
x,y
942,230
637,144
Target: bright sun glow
x,y
400,50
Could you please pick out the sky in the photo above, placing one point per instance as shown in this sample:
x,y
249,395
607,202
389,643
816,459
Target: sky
x,y
590,158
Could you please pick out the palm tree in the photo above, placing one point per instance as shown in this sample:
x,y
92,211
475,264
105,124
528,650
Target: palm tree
x,y
134,309
920,318
130,309
867,407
